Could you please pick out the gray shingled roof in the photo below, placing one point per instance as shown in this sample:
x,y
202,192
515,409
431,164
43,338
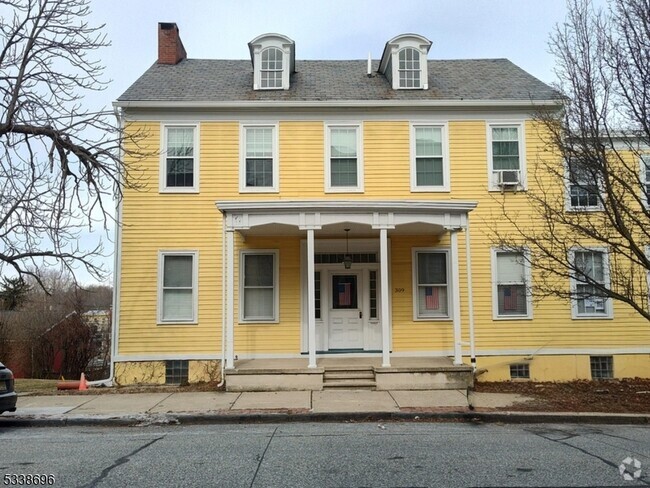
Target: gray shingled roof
x,y
211,80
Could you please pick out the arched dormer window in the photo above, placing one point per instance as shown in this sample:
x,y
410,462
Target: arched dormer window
x,y
409,68
404,62
271,69
273,57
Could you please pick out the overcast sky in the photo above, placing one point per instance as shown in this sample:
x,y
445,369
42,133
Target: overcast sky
x,y
324,29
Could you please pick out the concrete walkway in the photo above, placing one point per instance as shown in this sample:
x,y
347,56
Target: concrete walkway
x,y
336,405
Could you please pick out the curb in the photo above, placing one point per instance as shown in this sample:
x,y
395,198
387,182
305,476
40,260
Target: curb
x,y
505,417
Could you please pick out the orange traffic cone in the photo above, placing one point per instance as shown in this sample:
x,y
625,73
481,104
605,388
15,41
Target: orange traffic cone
x,y
82,383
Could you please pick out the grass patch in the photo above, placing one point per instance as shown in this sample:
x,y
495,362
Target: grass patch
x,y
28,385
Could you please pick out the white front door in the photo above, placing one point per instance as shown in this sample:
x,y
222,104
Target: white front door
x,y
345,310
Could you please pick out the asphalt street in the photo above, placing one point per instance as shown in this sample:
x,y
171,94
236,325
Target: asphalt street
x,y
399,454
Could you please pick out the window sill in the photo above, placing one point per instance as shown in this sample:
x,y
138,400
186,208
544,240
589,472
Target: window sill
x,y
584,209
177,323
512,317
264,189
179,189
345,189
430,189
432,319
258,322
592,317
519,189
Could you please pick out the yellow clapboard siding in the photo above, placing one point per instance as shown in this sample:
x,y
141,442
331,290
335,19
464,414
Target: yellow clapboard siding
x,y
155,221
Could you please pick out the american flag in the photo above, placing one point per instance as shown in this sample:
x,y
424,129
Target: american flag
x,y
509,299
345,294
432,301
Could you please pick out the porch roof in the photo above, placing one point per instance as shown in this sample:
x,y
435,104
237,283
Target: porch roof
x,y
331,216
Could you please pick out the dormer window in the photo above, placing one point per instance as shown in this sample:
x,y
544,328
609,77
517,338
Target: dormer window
x,y
409,68
404,62
271,70
273,57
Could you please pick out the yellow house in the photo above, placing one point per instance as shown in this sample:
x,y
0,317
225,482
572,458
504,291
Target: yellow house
x,y
305,223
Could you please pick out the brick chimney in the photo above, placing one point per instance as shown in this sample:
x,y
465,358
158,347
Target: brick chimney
x,y
170,46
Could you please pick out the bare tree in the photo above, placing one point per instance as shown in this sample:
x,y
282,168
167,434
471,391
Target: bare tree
x,y
60,163
591,187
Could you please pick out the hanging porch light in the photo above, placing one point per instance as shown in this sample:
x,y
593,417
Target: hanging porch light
x,y
347,259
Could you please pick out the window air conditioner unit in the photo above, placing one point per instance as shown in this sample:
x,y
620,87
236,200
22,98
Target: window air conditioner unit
x,y
508,178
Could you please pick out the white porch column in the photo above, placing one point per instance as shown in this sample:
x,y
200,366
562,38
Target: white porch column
x,y
230,299
385,317
311,298
455,293
470,296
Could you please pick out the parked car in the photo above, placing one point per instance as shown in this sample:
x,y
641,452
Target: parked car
x,y
7,393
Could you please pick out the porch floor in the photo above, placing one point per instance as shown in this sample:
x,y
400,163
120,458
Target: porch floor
x,y
404,373
335,361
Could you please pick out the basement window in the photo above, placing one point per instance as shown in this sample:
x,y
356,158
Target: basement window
x,y
176,372
520,371
602,367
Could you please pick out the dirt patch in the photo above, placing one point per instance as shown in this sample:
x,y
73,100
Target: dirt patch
x,y
48,387
609,396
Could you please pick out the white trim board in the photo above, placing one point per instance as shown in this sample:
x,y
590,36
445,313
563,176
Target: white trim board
x,y
321,115
166,357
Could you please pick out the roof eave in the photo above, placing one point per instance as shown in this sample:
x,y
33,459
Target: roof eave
x,y
239,104
335,206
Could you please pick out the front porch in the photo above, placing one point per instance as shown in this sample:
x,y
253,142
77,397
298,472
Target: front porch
x,y
398,289
404,373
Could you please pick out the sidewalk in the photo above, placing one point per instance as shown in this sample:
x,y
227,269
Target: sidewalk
x,y
333,405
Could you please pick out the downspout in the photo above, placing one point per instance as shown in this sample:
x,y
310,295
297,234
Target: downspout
x,y
223,301
470,297
116,274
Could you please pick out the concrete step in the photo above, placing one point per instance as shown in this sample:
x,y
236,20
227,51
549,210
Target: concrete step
x,y
349,375
350,385
349,368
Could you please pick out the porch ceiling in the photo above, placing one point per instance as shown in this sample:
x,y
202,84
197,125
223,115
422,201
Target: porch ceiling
x,y
357,231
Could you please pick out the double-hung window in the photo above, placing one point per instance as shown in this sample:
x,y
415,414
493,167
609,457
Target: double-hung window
x,y
431,284
344,159
591,270
271,69
429,158
506,155
177,289
259,286
511,280
583,190
180,162
259,161
409,68
645,178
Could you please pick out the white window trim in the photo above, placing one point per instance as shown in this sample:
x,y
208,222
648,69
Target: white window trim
x,y
521,126
260,70
609,312
495,284
195,286
450,299
394,61
647,276
286,63
446,172
644,181
328,175
162,182
276,286
397,70
275,188
567,195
